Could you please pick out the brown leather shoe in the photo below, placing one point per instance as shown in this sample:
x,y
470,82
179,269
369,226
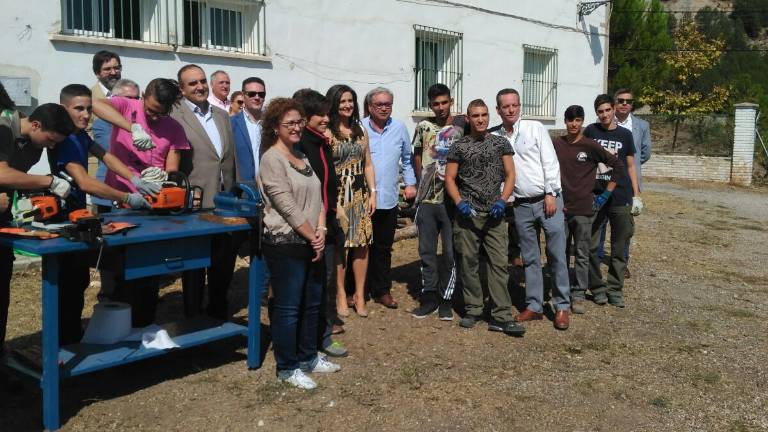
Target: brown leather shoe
x,y
528,315
562,319
387,301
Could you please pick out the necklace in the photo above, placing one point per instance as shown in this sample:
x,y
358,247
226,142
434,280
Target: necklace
x,y
306,171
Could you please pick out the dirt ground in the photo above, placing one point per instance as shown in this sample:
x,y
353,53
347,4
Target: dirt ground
x,y
687,354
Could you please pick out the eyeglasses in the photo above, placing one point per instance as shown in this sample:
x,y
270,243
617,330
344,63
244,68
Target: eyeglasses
x,y
292,124
622,101
239,101
117,68
382,105
253,94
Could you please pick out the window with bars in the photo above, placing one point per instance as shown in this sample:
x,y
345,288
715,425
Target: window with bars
x,y
539,81
439,59
221,25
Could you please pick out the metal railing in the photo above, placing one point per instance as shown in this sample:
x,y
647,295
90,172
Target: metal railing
x,y
232,26
439,59
539,81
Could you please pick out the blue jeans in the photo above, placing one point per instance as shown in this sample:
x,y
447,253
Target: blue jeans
x,y
297,286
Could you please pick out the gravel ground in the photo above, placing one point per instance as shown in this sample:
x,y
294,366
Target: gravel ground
x,y
687,354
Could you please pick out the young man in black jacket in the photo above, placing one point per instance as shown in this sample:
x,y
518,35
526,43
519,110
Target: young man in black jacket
x,y
315,145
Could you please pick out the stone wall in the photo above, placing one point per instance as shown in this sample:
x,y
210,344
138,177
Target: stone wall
x,y
705,168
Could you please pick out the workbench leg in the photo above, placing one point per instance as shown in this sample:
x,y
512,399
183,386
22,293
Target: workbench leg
x,y
255,287
50,381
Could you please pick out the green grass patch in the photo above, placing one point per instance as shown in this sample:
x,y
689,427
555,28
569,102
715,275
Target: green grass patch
x,y
660,402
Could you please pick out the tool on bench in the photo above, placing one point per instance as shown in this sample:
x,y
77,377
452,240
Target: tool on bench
x,y
244,201
176,195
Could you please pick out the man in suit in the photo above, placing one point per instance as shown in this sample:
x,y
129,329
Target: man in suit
x,y
210,165
641,135
108,71
246,128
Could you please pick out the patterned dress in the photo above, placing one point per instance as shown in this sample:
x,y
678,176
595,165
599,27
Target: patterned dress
x,y
352,204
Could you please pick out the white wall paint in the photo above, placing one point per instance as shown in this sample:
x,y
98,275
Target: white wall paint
x,y
318,43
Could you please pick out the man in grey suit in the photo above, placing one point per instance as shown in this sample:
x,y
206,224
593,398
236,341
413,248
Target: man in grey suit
x,y
641,135
210,164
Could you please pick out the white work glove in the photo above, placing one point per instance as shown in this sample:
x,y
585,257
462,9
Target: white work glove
x,y
141,139
145,187
136,201
637,206
60,187
154,175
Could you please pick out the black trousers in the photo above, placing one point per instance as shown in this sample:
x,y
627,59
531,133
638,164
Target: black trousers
x,y
380,255
223,257
74,278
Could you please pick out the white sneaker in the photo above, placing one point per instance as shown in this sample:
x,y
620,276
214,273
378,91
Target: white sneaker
x,y
298,379
324,366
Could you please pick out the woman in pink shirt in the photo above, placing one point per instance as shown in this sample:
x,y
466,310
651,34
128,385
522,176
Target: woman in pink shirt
x,y
144,135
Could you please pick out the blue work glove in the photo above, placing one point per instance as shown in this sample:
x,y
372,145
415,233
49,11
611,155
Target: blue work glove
x,y
497,210
465,209
600,200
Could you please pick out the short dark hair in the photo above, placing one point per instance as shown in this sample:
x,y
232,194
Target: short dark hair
x,y
476,103
506,91
102,57
313,102
574,112
251,80
6,103
73,90
436,90
622,90
603,99
53,118
165,91
186,68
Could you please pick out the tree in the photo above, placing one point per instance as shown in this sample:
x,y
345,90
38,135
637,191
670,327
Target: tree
x,y
679,96
639,31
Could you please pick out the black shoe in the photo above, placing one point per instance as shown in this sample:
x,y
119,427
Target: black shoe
x,y
469,321
424,310
496,326
445,310
9,384
513,328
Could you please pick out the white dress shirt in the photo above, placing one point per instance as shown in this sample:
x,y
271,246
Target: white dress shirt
x,y
254,133
537,171
223,104
207,122
627,123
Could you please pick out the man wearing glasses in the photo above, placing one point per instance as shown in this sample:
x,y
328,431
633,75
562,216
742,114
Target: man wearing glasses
x,y
210,165
246,128
108,70
390,146
641,134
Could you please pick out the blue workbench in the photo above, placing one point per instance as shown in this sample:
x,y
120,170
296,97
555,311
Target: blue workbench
x,y
161,244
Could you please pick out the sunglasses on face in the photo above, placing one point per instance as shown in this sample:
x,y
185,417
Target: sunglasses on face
x,y
622,101
253,94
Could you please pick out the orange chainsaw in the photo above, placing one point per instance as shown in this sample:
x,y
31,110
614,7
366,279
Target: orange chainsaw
x,y
176,195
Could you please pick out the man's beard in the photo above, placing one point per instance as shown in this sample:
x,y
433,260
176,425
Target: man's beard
x,y
109,82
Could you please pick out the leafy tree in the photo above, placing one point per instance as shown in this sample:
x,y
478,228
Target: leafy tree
x,y
753,14
638,33
681,96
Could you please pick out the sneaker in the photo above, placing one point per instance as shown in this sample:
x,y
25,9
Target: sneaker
x,y
513,328
297,378
577,306
336,349
445,311
600,298
617,301
469,321
324,366
424,310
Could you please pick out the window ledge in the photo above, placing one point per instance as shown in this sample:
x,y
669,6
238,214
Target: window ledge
x,y
227,54
110,41
539,118
425,114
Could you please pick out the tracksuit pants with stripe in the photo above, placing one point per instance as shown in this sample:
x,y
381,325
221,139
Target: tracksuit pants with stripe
x,y
433,222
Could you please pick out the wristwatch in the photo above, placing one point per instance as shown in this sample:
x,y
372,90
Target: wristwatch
x,y
553,193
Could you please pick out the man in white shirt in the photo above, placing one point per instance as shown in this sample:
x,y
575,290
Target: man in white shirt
x,y
219,96
538,202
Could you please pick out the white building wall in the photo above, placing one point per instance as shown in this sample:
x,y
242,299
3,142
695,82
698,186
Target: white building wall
x,y
318,43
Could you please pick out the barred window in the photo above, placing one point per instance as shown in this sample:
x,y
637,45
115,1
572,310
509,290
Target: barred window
x,y
539,81
439,59
221,25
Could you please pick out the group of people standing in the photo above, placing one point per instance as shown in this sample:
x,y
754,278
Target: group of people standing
x,y
331,183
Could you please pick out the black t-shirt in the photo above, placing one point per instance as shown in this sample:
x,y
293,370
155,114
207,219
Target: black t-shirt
x,y
15,150
618,142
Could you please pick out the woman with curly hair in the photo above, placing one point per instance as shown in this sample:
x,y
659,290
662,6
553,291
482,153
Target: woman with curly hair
x,y
357,192
293,243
